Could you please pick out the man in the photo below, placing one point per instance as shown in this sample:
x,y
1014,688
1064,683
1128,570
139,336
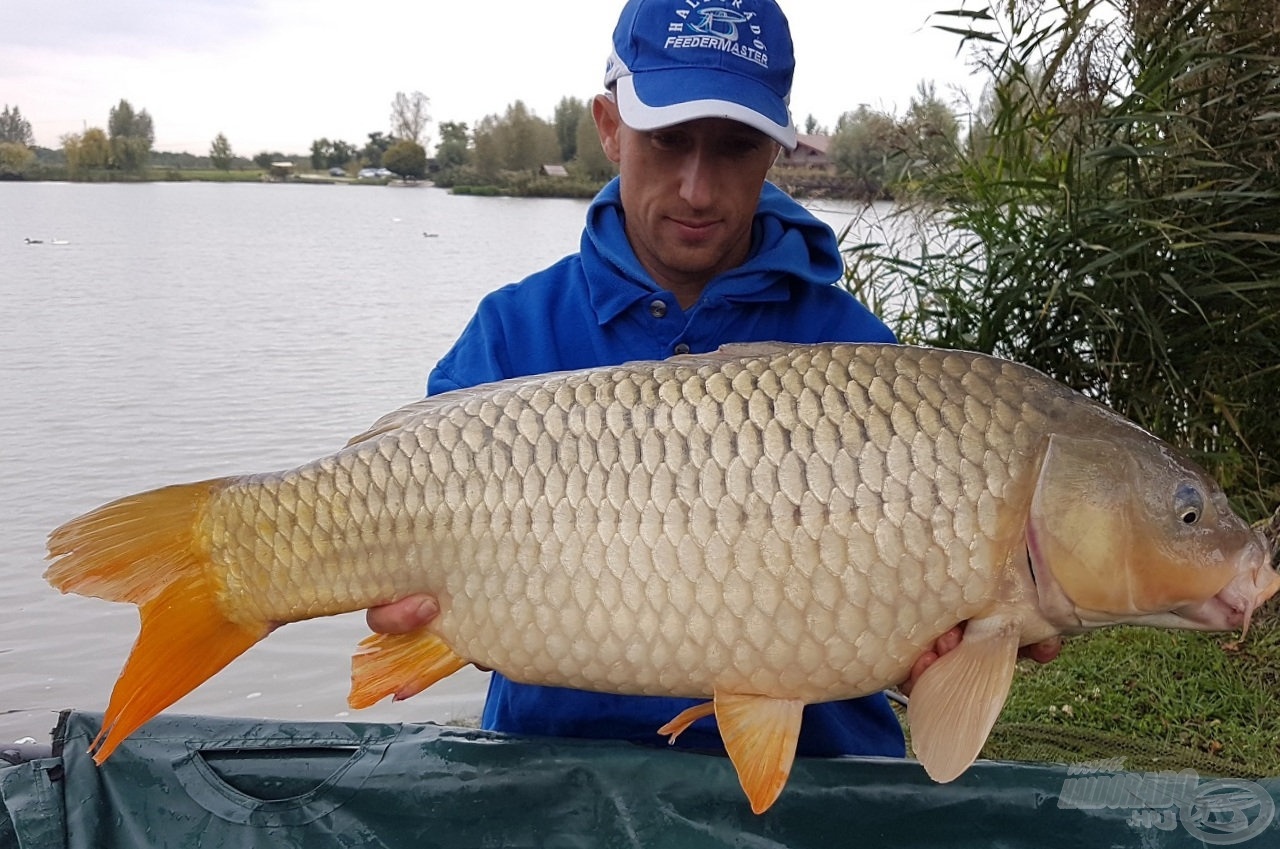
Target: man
x,y
688,249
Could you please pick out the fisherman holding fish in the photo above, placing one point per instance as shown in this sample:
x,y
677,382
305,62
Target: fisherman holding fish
x,y
688,249
746,544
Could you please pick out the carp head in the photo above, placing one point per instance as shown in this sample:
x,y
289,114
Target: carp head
x,y
1123,529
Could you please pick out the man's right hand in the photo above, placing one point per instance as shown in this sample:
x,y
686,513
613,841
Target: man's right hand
x,y
401,617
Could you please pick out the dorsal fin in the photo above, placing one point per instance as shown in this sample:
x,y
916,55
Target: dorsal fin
x,y
738,350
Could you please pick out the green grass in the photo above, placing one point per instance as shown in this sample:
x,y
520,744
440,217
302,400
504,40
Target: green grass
x,y
207,175
478,191
1147,689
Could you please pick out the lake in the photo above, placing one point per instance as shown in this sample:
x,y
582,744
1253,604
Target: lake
x,y
167,332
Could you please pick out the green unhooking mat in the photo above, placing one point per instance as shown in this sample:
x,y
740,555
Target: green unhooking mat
x,y
214,782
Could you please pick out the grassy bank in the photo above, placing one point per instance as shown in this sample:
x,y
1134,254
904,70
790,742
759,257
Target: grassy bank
x,y
1159,699
208,175
185,175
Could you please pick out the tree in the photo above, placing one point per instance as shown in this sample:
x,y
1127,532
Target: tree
x,y
375,149
406,158
409,117
84,151
14,128
813,128
331,154
591,159
484,147
220,153
344,153
132,135
930,130
518,141
568,117
95,148
15,159
864,146
452,152
264,159
71,145
321,150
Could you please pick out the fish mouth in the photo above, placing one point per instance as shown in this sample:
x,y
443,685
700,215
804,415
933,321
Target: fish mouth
x,y
1232,608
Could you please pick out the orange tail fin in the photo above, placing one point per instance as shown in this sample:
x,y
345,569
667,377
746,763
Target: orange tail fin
x,y
144,549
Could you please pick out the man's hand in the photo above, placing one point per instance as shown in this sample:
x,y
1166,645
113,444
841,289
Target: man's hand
x,y
401,617
408,614
1041,652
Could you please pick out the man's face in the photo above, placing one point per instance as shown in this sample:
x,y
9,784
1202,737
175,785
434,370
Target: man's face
x,y
689,193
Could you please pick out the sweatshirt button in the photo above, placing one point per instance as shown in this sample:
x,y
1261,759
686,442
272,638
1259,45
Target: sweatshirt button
x,y
658,308
682,348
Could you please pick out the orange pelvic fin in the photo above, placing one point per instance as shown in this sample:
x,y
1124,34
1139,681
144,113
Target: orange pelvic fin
x,y
399,665
684,719
143,549
760,734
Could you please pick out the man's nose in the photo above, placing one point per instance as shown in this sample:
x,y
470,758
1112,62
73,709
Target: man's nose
x,y
697,179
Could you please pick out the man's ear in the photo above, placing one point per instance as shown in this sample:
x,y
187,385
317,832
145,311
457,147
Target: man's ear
x,y
608,122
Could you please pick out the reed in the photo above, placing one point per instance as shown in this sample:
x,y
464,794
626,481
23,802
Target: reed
x,y
1113,219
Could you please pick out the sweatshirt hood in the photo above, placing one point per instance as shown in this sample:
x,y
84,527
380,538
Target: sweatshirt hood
x,y
788,244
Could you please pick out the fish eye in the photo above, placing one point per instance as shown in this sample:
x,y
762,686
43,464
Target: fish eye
x,y
1188,503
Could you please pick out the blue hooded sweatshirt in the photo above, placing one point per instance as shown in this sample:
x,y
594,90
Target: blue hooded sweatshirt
x,y
600,307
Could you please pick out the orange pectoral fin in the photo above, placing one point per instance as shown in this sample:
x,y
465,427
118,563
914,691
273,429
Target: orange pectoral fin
x,y
956,701
399,665
760,734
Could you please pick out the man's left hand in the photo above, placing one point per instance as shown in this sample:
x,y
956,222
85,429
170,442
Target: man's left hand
x,y
1041,652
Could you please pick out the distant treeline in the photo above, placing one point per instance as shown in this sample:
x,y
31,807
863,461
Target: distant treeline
x,y
518,152
57,158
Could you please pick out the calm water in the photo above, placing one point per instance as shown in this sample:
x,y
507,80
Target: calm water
x,y
186,331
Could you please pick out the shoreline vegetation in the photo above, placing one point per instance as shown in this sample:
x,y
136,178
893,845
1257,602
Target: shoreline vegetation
x,y
517,154
799,182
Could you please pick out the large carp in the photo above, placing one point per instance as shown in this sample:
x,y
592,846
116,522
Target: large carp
x,y
766,526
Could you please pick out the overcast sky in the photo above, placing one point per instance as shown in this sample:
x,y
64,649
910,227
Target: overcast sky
x,y
276,74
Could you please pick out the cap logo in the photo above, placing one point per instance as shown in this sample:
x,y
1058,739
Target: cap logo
x,y
727,17
716,28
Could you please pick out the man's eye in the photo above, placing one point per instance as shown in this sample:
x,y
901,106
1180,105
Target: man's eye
x,y
741,147
667,141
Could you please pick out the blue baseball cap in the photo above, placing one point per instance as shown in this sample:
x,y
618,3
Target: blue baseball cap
x,y
680,60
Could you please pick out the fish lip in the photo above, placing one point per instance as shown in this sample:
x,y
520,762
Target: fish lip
x,y
1214,614
1254,582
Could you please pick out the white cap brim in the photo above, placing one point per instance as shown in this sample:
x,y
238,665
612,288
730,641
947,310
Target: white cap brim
x,y
640,116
